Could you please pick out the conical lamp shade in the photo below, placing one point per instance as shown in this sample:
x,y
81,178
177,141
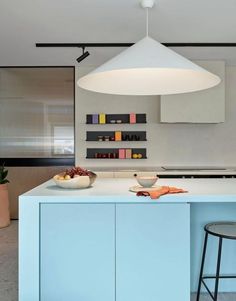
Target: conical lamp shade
x,y
148,68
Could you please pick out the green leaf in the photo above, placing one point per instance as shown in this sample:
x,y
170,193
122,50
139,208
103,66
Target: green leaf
x,y
4,182
4,174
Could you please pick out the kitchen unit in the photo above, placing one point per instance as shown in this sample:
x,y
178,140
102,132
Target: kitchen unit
x,y
105,243
120,88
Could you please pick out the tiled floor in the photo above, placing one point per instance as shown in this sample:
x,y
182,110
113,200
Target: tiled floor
x,y
9,271
221,297
8,262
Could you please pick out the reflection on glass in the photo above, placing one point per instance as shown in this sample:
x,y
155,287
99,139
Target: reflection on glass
x,y
36,112
63,140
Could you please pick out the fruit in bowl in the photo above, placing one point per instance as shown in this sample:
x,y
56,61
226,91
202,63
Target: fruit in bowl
x,y
75,178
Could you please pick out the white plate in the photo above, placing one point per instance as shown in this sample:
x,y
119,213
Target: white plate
x,y
138,188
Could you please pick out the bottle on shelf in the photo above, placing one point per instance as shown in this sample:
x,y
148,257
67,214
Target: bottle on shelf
x,y
102,118
128,153
132,118
95,118
118,136
121,153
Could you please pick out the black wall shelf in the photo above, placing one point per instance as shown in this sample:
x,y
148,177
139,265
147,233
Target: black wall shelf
x,y
124,118
108,136
122,153
113,153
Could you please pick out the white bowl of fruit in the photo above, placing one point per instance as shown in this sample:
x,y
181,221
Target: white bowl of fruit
x,y
75,178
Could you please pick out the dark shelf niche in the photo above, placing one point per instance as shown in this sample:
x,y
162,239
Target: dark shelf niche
x,y
92,151
93,136
140,118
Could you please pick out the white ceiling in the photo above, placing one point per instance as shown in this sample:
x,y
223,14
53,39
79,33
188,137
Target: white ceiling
x,y
25,22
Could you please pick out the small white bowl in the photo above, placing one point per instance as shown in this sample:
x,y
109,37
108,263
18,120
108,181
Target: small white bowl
x,y
146,181
78,182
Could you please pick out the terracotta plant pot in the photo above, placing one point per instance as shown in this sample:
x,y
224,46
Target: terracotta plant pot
x,y
4,206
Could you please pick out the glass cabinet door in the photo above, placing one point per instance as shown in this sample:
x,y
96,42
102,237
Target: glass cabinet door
x,y
37,112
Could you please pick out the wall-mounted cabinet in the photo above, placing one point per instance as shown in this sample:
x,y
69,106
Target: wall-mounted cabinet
x,y
207,106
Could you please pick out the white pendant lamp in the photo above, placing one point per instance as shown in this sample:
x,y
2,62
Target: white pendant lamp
x,y
148,68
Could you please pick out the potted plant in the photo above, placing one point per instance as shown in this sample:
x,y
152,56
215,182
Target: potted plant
x,y
4,199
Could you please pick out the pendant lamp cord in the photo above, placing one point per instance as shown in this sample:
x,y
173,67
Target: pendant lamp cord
x,y
147,22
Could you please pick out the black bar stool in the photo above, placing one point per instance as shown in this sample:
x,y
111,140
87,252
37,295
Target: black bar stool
x,y
223,230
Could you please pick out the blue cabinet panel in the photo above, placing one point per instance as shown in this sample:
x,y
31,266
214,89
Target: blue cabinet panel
x,y
152,252
77,255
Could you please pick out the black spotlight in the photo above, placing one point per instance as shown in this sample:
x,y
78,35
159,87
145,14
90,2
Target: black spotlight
x,y
83,56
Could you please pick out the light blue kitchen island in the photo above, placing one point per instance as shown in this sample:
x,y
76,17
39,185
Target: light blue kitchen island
x,y
106,244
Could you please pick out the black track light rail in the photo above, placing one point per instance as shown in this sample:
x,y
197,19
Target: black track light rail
x,y
83,45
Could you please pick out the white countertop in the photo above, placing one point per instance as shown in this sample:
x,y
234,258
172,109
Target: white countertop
x,y
113,190
168,171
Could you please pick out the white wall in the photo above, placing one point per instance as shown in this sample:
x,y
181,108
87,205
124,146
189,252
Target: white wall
x,y
168,144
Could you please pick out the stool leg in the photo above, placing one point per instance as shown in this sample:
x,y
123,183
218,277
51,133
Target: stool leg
x,y
218,269
202,267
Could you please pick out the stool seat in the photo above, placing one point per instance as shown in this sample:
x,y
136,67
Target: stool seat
x,y
222,229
